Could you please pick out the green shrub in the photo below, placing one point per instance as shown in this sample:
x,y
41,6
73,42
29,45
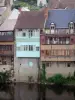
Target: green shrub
x,y
4,76
43,74
57,79
74,73
70,77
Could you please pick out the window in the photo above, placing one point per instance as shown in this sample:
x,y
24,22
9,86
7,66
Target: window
x,y
48,41
52,28
30,47
47,64
67,40
71,27
24,34
47,53
30,64
19,29
9,33
2,33
37,48
30,33
26,47
68,65
42,52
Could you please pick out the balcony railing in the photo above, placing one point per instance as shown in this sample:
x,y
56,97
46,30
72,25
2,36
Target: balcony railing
x,y
6,52
59,58
7,38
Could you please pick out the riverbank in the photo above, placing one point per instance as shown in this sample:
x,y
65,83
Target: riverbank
x,y
45,84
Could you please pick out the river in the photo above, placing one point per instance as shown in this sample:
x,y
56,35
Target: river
x,y
21,91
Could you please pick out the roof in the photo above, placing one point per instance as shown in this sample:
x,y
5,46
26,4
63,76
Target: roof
x,y
60,17
2,2
30,19
8,25
2,9
61,4
5,2
14,15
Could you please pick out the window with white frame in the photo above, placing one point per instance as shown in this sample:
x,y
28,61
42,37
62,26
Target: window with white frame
x,y
24,34
71,27
52,28
30,64
37,48
30,33
26,48
30,47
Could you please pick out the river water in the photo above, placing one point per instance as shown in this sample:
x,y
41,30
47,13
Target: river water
x,y
21,91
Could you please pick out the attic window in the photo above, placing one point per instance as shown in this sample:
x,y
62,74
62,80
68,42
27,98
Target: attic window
x,y
71,27
52,28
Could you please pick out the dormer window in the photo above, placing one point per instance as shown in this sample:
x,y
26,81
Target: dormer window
x,y
52,28
71,27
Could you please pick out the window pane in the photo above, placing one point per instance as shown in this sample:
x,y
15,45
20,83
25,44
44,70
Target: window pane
x,y
24,34
37,48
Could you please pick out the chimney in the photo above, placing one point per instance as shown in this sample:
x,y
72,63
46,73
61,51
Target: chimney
x,y
46,12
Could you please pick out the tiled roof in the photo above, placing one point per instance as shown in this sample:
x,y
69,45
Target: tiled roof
x,y
61,17
30,19
8,25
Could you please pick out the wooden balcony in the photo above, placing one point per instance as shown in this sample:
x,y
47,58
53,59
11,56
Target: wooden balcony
x,y
57,52
50,47
58,58
6,38
6,53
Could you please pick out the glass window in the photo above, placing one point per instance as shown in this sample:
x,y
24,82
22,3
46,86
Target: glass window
x,y
26,47
71,27
30,64
24,34
2,33
30,47
52,27
47,64
9,33
37,48
30,33
19,29
68,65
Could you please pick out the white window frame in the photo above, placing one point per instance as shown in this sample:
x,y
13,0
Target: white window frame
x,y
52,30
71,27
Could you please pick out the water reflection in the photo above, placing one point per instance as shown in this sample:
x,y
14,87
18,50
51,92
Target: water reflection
x,y
6,92
21,91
